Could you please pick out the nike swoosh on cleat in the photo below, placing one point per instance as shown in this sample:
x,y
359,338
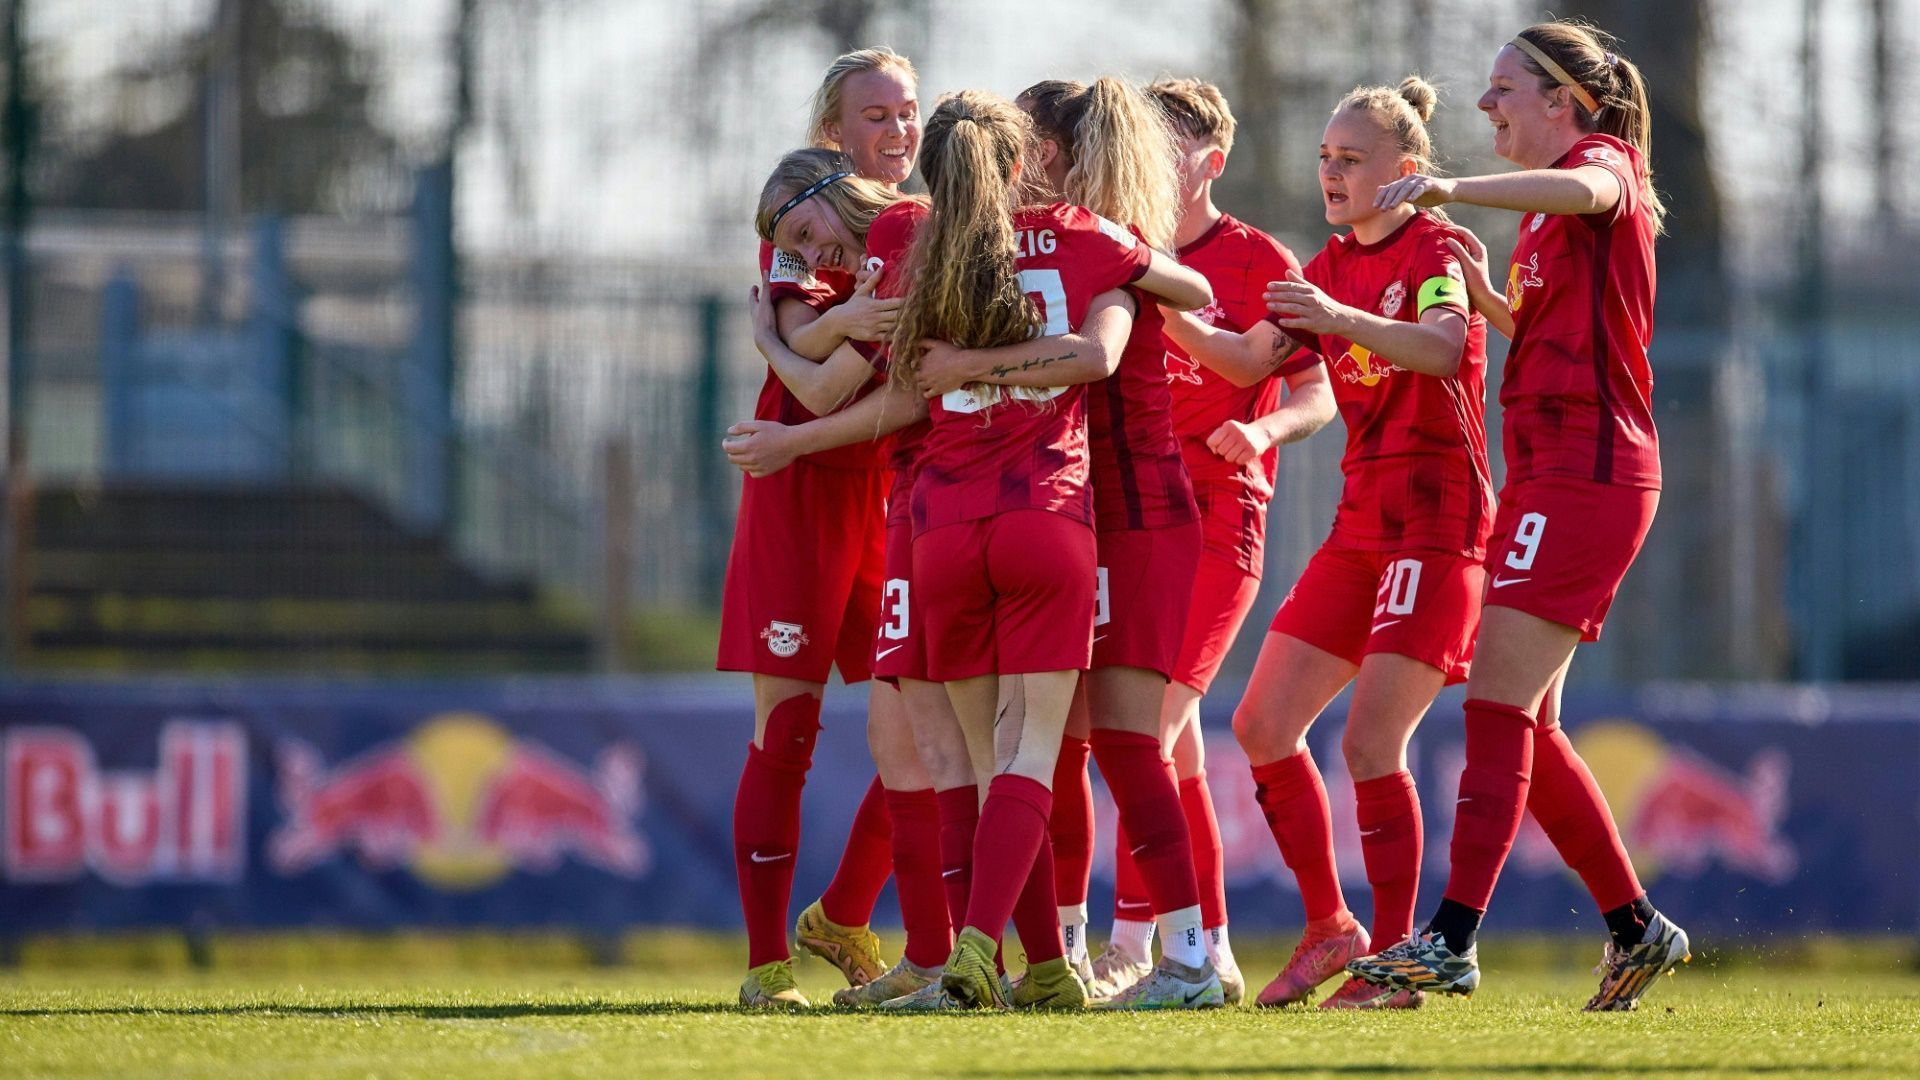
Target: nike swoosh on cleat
x,y
1501,583
1196,995
755,856
884,653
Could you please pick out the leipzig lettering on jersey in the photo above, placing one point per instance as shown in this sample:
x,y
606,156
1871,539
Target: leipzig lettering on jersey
x,y
1139,478
787,278
1416,458
995,449
1576,395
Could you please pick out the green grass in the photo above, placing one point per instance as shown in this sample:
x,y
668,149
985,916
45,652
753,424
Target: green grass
x,y
669,1014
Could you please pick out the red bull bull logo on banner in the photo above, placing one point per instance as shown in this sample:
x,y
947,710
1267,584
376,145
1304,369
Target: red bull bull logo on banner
x,y
461,802
183,821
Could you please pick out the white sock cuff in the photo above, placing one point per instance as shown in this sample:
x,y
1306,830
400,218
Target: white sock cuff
x,y
1075,913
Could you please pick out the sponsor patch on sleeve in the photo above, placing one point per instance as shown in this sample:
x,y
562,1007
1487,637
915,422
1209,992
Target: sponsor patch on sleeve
x,y
788,268
1120,233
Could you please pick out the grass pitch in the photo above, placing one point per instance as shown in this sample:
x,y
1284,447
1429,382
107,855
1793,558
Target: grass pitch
x,y
671,1014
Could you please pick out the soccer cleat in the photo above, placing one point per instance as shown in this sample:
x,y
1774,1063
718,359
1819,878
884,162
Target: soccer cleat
x,y
969,976
1358,993
902,979
1050,984
1232,984
1114,970
1315,960
770,986
855,950
1422,962
1171,985
930,998
1625,974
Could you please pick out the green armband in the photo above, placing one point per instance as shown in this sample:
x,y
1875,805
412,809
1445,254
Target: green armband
x,y
1440,290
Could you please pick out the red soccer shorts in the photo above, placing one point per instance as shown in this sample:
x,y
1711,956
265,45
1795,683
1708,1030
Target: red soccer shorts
x,y
1223,593
1561,546
803,580
900,646
1145,586
1008,595
1422,604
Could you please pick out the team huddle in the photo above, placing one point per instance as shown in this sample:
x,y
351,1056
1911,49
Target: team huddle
x,y
1012,463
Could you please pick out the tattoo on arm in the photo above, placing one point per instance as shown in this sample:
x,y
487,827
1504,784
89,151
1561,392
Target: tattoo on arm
x,y
1002,370
1282,348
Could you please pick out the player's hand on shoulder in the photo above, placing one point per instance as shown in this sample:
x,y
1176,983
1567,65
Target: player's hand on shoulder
x,y
1416,188
1238,443
943,368
1300,305
759,447
865,317
1473,261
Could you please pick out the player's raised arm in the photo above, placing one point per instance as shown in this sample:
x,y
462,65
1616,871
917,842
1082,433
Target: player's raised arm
x,y
763,447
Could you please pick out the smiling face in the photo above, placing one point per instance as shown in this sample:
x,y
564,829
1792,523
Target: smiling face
x,y
815,233
879,123
1531,127
1357,159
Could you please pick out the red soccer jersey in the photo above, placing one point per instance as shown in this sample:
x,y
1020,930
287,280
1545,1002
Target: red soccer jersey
x,y
887,242
995,449
1139,479
1577,392
1416,458
1238,260
787,278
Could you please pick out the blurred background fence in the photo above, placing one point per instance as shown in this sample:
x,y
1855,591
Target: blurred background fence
x,y
351,340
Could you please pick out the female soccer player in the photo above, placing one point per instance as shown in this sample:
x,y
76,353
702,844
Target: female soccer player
x,y
1228,417
1107,146
1583,479
1389,602
1003,551
799,598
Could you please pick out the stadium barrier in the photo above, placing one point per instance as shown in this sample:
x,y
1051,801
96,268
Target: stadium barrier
x,y
600,805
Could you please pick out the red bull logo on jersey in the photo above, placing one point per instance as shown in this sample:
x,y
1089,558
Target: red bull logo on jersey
x,y
182,821
1182,369
1521,277
461,803
1359,365
1681,813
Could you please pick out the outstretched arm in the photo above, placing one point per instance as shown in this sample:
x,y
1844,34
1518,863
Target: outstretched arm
x,y
760,447
1088,354
1586,189
1179,287
1241,359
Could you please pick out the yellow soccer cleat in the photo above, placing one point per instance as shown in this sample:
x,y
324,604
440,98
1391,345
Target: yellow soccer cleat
x,y
855,950
970,977
770,986
1050,984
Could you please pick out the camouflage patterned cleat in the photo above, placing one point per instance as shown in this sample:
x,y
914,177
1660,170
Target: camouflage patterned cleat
x,y
903,979
1171,985
1628,973
855,950
969,976
1051,984
1114,970
1315,960
1358,993
1422,962
770,986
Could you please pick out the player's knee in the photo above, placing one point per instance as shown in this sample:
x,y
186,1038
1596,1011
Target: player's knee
x,y
1369,753
792,728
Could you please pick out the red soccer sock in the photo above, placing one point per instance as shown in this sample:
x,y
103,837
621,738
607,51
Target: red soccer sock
x,y
1129,891
766,824
865,864
916,875
1389,813
959,821
1036,915
1493,795
1149,802
1013,825
1203,835
1294,800
1071,826
1568,804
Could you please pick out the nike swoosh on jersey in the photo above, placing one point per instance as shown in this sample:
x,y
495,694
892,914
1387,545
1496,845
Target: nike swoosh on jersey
x,y
755,856
884,653
1377,627
1500,582
1098,638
